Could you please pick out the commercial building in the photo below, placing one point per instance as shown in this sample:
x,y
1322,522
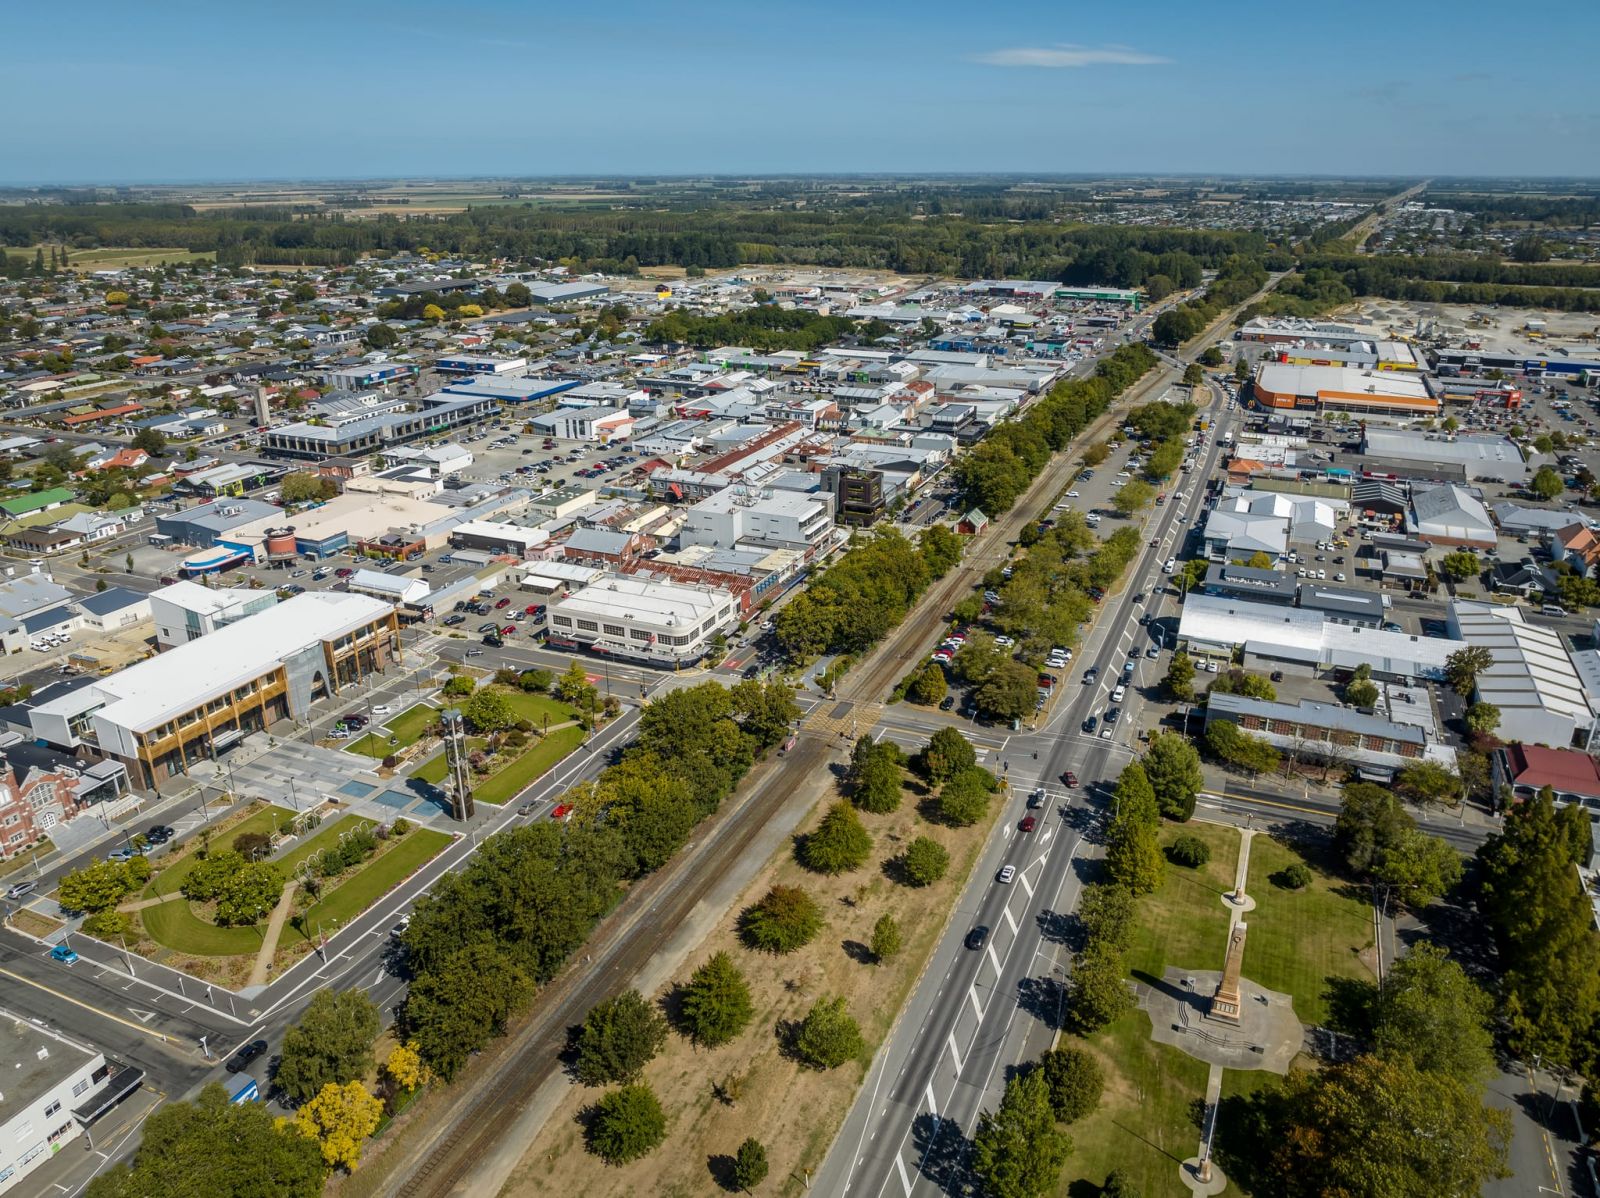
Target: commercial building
x,y
186,611
1230,581
604,425
1527,769
768,519
1531,680
368,375
1330,733
1302,641
1231,535
1450,515
509,390
198,699
113,608
202,526
488,364
396,589
438,414
437,461
49,1079
1460,457
1281,386
497,537
566,293
660,623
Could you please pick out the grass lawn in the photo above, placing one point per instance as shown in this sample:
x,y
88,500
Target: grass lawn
x,y
1184,924
1300,941
326,837
355,895
1145,1121
175,925
405,728
114,258
535,707
505,785
171,876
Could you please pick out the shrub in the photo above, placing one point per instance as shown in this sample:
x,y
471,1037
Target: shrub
x,y
108,925
785,919
252,846
828,1037
626,1124
459,685
924,862
1293,877
400,827
1190,851
885,937
840,842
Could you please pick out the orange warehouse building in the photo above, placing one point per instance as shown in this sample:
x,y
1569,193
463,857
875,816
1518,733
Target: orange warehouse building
x,y
1283,386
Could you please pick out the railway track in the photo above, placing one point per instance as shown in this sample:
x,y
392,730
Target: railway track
x,y
487,1107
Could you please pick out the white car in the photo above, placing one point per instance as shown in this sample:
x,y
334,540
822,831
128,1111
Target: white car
x,y
1118,693
1004,642
1338,577
382,709
1072,494
1211,667
1007,872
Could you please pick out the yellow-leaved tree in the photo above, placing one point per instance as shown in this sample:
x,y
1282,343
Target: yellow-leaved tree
x,y
339,1119
405,1068
116,297
433,312
469,311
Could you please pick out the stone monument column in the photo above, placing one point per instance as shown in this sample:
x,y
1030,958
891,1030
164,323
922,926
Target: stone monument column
x,y
1225,1004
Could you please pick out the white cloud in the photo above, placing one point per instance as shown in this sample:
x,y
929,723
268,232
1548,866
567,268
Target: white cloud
x,y
1070,56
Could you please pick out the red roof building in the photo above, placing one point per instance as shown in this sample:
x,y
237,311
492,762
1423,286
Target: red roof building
x,y
1527,769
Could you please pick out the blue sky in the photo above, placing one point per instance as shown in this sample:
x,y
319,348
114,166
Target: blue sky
x,y
239,89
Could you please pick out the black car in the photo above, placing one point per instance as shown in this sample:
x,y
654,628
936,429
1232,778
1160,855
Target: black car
x,y
355,721
946,703
493,641
241,1059
159,834
1090,724
1113,715
978,937
452,621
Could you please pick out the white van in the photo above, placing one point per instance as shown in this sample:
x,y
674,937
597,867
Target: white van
x,y
1552,609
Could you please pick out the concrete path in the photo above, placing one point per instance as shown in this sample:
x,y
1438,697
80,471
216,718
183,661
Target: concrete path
x,y
1238,901
269,940
141,904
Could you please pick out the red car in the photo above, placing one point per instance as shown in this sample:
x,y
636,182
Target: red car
x,y
1029,823
532,609
1070,778
343,572
509,630
561,812
504,603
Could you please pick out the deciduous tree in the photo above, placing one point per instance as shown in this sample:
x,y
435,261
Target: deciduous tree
x,y
924,861
1172,766
340,1118
750,1165
828,1036
330,1043
716,1005
1018,1151
945,755
839,843
1463,666
619,1037
1075,1082
626,1124
786,918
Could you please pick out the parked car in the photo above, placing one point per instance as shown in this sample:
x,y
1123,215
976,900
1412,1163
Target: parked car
x,y
20,890
382,709
159,835
63,954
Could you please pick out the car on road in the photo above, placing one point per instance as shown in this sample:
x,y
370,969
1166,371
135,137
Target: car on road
x,y
561,811
474,653
1029,823
382,709
63,954
1090,724
1118,693
240,1061
20,890
946,703
493,640
1090,675
125,853
1007,872
399,929
159,835
978,937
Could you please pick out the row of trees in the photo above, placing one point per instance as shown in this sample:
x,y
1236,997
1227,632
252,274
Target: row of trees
x,y
852,604
487,936
1238,278
998,470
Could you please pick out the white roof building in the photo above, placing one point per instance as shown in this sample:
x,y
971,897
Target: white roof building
x,y
1541,695
1233,534
620,615
1451,515
398,589
187,611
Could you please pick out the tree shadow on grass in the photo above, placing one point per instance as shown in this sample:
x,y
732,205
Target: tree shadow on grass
x,y
942,1154
1350,1006
1247,1127
858,952
720,1165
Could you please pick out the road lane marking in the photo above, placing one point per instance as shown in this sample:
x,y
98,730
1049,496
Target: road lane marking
x,y
1026,885
994,960
900,1164
933,1107
972,996
950,1043
1010,919
138,1027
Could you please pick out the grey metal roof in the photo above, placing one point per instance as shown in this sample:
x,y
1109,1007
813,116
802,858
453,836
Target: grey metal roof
x,y
1320,715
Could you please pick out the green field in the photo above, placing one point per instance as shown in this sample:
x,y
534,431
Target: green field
x,y
535,708
1145,1121
1301,941
176,925
115,258
405,729
375,879
171,876
505,785
1184,924
434,769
